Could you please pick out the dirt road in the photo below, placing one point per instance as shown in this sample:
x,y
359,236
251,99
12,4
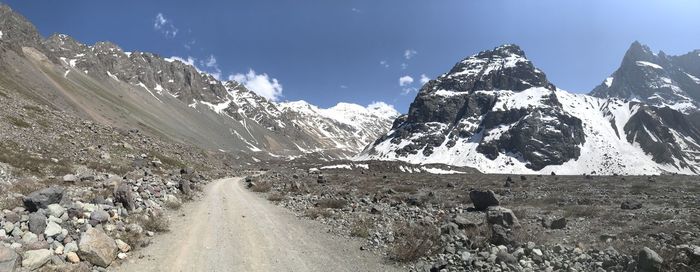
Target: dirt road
x,y
232,229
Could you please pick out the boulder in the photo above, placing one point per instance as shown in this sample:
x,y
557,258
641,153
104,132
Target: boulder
x,y
500,235
185,186
37,222
43,198
97,248
554,224
72,257
52,229
648,261
56,210
70,178
99,216
631,205
558,223
8,259
501,216
483,199
123,195
34,259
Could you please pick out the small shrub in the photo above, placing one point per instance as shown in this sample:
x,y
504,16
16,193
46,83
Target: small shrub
x,y
261,187
415,241
173,205
275,197
314,213
577,211
360,228
156,223
332,203
18,122
479,236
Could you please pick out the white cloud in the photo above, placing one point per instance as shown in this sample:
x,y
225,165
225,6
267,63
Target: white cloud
x,y
404,66
189,60
356,10
424,79
408,90
209,66
343,86
162,24
405,81
261,84
409,53
384,63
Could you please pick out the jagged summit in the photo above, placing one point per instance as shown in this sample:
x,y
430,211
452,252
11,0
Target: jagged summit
x,y
498,113
657,79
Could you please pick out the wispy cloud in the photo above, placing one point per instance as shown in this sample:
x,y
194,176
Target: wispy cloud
x,y
343,86
404,66
212,67
356,10
261,84
408,90
424,79
405,81
165,26
409,54
384,63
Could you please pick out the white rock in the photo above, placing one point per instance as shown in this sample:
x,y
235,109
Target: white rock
x,y
34,259
53,229
56,210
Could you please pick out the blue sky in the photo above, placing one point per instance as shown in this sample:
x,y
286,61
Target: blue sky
x,y
325,52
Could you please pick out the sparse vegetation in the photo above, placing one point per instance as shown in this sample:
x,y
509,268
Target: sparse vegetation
x,y
275,197
261,187
414,241
314,213
18,122
361,228
332,203
156,222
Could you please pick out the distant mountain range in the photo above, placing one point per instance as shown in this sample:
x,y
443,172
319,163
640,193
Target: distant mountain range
x,y
167,97
495,111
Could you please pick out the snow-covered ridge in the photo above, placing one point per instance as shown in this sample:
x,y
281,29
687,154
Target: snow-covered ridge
x,y
605,151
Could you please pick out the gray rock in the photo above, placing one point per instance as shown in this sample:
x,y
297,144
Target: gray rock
x,y
558,223
124,195
42,198
631,205
649,261
97,248
52,229
185,187
8,259
56,210
500,235
34,259
37,222
501,216
99,216
483,199
70,178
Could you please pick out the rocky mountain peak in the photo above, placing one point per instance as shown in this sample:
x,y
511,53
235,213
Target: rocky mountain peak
x,y
17,31
504,68
657,79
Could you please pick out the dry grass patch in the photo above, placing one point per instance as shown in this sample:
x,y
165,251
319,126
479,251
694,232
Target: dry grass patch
x,y
314,213
275,197
261,187
413,241
157,222
361,228
332,203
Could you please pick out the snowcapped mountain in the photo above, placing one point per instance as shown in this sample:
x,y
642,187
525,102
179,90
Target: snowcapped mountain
x,y
173,99
495,111
657,79
346,126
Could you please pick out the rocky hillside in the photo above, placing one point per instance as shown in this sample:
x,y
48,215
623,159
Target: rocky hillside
x,y
495,111
657,79
165,97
